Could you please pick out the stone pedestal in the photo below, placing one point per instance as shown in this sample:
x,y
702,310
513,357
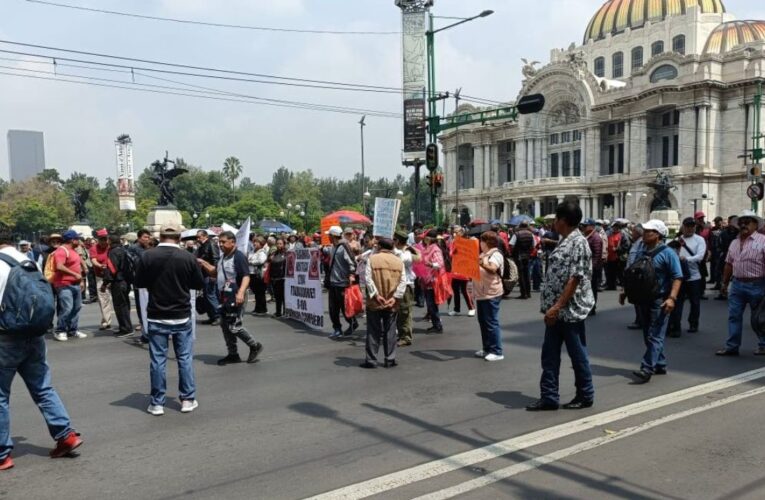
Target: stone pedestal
x,y
669,217
163,216
83,228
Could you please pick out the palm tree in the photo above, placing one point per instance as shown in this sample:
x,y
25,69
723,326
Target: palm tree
x,y
232,169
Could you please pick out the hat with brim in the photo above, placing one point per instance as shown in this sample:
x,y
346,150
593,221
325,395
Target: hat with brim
x,y
170,231
54,236
655,225
748,214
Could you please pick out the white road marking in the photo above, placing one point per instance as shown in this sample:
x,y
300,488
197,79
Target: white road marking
x,y
465,459
535,463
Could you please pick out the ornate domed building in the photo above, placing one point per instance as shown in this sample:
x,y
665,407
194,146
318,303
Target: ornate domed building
x,y
656,86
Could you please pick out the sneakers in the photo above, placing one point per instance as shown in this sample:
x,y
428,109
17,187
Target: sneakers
x,y
124,335
480,354
493,357
230,359
254,352
104,326
80,335
471,313
189,405
156,410
6,463
336,335
60,336
454,313
66,445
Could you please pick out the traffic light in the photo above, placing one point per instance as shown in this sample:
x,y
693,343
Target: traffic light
x,y
431,157
755,172
530,104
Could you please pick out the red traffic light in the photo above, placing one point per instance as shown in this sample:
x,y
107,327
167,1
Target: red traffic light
x,y
531,104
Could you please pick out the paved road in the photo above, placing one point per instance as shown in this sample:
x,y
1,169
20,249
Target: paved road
x,y
306,420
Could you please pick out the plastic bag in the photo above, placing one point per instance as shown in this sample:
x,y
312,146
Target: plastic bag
x,y
354,301
442,288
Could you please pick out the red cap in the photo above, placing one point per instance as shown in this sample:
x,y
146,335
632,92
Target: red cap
x,y
699,215
102,233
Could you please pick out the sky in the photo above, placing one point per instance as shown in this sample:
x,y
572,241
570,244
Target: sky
x,y
80,123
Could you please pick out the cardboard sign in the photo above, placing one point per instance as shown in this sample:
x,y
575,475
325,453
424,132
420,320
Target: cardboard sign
x,y
465,258
302,297
386,215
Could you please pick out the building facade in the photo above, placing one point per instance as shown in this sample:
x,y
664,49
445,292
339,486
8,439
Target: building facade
x,y
656,86
26,154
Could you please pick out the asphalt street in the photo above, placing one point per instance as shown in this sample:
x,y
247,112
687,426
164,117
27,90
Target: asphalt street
x,y
306,421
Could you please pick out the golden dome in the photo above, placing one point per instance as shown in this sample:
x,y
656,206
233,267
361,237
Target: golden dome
x,y
617,15
730,35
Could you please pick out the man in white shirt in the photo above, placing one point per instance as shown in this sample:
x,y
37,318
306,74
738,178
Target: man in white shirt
x,y
692,252
408,255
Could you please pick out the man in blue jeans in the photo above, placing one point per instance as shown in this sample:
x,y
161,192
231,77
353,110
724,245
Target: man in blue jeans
x,y
26,355
69,284
169,274
567,300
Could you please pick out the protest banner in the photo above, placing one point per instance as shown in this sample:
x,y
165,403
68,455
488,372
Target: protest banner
x,y
465,258
386,215
302,288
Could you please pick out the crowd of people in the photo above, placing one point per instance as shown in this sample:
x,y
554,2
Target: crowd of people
x,y
568,259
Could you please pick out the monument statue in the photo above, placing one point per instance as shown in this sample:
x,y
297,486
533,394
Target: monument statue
x,y
162,178
79,199
662,185
529,69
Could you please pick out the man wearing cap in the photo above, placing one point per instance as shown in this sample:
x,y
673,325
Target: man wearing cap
x,y
744,280
169,274
408,255
69,284
25,248
596,249
654,315
208,252
693,249
99,254
340,275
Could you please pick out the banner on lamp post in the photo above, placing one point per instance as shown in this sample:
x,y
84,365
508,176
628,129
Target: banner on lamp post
x,y
414,48
125,176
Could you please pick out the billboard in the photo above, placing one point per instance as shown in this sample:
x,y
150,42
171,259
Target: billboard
x,y
414,49
125,177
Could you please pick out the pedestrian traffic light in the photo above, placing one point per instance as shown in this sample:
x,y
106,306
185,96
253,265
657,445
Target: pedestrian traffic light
x,y
431,157
531,104
755,172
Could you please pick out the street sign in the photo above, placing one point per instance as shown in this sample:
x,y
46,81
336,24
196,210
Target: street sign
x,y
756,191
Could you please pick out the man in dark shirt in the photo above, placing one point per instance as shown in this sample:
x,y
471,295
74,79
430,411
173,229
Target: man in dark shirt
x,y
169,274
522,243
233,279
116,280
137,249
209,253
596,248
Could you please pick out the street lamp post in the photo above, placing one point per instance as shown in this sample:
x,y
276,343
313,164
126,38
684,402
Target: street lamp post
x,y
431,91
362,124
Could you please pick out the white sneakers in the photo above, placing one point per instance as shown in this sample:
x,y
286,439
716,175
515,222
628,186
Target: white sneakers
x,y
156,410
80,335
480,354
189,406
60,336
471,312
493,357
453,313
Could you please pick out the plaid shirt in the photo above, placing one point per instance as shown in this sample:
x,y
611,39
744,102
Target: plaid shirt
x,y
747,257
570,259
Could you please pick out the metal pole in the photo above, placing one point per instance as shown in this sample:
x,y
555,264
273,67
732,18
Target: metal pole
x,y
757,153
363,190
431,66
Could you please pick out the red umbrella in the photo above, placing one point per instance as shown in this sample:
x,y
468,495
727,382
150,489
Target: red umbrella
x,y
348,217
477,222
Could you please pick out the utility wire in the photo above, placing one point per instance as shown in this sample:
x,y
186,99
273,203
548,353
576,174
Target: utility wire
x,y
211,24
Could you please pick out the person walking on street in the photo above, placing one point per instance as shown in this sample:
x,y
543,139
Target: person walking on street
x,y
596,249
743,281
693,250
233,276
341,275
169,274
26,355
433,259
488,296
566,302
69,285
116,280
656,310
99,253
209,253
408,255
386,285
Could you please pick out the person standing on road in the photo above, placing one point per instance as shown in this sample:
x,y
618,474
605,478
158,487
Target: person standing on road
x,y
693,249
459,282
745,266
169,273
137,249
596,249
26,355
655,313
408,255
209,253
567,300
277,272
386,285
521,245
728,236
69,285
340,275
116,281
433,259
257,259
99,253
488,297
233,275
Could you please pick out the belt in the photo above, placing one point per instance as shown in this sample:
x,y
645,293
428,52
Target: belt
x,y
749,280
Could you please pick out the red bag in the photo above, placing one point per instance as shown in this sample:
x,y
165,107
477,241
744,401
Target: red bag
x,y
267,275
442,288
354,302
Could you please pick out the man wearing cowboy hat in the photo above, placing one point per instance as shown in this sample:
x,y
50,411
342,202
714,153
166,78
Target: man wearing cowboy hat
x,y
745,266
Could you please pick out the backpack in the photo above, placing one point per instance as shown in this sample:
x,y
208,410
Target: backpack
x,y
50,265
129,265
640,282
27,306
509,275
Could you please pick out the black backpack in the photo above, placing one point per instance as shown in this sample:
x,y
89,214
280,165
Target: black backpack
x,y
640,282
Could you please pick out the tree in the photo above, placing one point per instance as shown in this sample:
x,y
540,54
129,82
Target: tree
x,y
50,175
279,182
232,169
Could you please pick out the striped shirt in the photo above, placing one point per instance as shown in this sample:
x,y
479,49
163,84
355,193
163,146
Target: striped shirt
x,y
748,257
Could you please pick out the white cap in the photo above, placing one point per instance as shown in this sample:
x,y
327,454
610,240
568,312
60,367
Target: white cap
x,y
335,231
748,214
23,242
656,225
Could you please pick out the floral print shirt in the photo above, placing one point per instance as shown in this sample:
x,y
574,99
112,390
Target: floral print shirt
x,y
570,259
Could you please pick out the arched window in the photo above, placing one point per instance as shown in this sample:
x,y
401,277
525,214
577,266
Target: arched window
x,y
664,72
600,67
617,68
678,44
637,58
657,48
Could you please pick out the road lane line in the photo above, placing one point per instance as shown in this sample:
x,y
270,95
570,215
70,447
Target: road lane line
x,y
535,463
441,466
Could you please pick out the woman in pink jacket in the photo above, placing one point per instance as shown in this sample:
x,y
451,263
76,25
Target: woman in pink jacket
x,y
433,259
